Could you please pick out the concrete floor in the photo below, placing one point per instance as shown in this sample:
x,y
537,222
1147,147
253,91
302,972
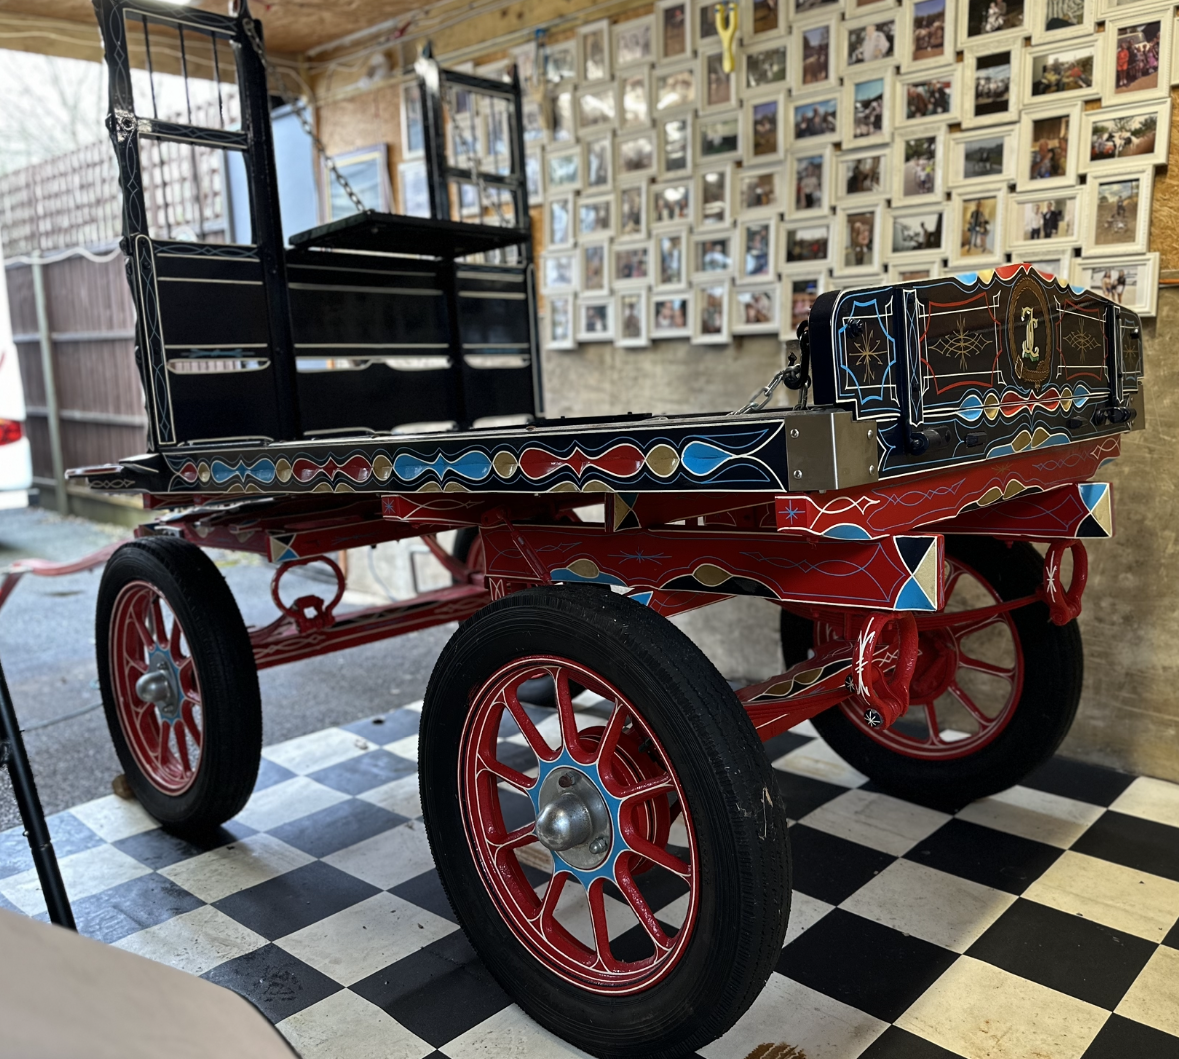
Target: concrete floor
x,y
47,650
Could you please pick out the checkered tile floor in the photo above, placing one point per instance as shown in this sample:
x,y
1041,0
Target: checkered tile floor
x,y
1042,922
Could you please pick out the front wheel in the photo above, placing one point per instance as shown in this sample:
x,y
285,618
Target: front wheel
x,y
620,863
990,699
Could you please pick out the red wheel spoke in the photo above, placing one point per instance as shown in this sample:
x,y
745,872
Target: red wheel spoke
x,y
969,705
967,662
506,773
162,753
961,631
931,722
570,737
522,836
648,789
138,622
531,733
659,856
174,643
188,712
609,743
157,616
601,927
181,747
548,906
640,907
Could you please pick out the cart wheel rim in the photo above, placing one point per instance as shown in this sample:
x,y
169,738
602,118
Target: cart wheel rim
x,y
635,829
156,690
959,702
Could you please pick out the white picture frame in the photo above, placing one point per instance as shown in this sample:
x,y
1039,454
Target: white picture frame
x,y
757,251
631,326
863,175
710,313
1057,264
413,188
634,42
713,197
597,164
764,66
1056,72
558,271
595,216
636,155
595,265
806,8
917,176
756,309
630,265
927,96
981,157
413,129
634,99
867,108
763,128
977,243
808,181
1101,276
991,84
715,90
673,30
1114,137
671,315
928,35
762,20
1048,221
674,88
672,202
562,170
719,135
915,271
597,108
1067,19
1103,225
595,319
560,62
559,220
813,49
534,175
859,237
630,216
593,52
816,119
975,16
799,292
1157,86
806,246
562,115
869,43
713,254
758,192
559,322
1047,155
672,249
673,146
916,233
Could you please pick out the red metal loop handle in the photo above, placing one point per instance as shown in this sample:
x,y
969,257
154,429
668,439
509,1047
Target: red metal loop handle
x,y
885,701
321,616
1064,604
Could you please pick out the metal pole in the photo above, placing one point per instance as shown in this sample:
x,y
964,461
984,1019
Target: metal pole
x,y
59,480
12,754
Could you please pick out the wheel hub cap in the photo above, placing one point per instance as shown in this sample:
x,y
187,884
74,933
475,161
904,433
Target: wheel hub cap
x,y
160,685
573,820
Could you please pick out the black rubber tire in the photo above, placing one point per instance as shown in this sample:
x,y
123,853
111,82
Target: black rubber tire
x,y
220,648
740,829
1053,675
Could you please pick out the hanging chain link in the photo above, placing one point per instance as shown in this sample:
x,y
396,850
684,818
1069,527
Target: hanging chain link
x,y
300,112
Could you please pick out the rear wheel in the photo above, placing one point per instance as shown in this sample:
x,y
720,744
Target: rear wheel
x,y
619,862
990,700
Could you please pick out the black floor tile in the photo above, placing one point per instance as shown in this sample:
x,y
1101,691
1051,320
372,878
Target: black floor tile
x,y
1072,955
932,801
831,868
131,906
517,809
869,966
895,1043
984,855
157,849
520,758
1140,844
801,794
438,993
277,983
337,827
784,743
68,833
363,773
659,886
270,773
292,901
426,892
636,944
1076,779
1172,937
1122,1038
386,727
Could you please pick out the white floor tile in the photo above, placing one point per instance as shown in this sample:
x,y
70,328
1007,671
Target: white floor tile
x,y
789,1013
416,706
929,904
876,820
1033,814
346,1025
238,866
981,1012
388,858
308,753
806,728
406,747
805,912
1151,799
195,941
366,937
511,1033
401,796
113,818
817,760
283,802
1122,898
1153,999
85,873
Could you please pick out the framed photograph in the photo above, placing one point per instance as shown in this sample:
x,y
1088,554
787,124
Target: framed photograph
x,y
595,216
671,258
867,102
990,85
714,197
632,320
719,135
915,271
634,42
759,192
560,62
761,19
1052,265
862,7
671,315
916,233
558,271
976,227
523,57
919,164
532,115
636,155
1067,70
805,245
764,67
413,188
815,120
717,89
673,30
927,34
631,217
595,319
675,88
593,47
594,266
1048,148
1131,56
992,20
859,238
757,310
634,99
559,221
413,131
1053,20
1114,137
982,156
808,169
927,96
671,203
562,127
1129,281
705,23
714,254
558,322
864,175
596,108
1045,221
756,245
563,170
808,7
798,295
598,164
1118,220
812,60
710,318
632,265
764,129
674,146
868,43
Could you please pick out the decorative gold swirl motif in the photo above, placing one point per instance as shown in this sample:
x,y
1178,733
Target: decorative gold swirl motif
x,y
960,343
867,353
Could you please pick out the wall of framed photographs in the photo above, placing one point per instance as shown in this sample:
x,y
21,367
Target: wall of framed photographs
x,y
853,140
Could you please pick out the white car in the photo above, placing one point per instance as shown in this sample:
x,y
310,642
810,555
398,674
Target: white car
x,y
16,461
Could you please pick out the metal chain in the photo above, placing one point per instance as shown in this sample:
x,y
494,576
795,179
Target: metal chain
x,y
300,112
